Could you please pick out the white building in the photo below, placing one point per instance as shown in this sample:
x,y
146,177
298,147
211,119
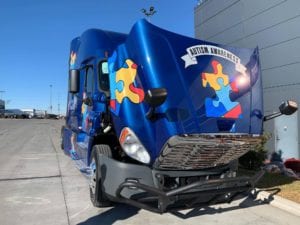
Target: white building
x,y
273,26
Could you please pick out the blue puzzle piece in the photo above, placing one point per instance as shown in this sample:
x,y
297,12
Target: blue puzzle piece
x,y
119,86
212,110
221,104
223,97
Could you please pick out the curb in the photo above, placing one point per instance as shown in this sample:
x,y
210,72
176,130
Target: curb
x,y
279,202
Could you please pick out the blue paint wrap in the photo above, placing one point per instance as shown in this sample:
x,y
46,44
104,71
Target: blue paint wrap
x,y
211,88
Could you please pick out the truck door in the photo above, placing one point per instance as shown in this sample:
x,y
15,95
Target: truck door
x,y
103,87
286,136
96,85
83,109
74,106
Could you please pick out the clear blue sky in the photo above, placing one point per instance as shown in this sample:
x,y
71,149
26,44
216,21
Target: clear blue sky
x,y
35,37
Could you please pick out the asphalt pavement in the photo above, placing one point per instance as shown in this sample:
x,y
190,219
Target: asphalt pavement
x,y
41,185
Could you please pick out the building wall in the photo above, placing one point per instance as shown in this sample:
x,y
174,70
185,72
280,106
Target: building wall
x,y
273,26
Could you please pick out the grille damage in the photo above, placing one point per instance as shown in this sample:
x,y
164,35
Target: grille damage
x,y
204,151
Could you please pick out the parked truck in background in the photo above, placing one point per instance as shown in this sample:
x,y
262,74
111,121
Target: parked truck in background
x,y
159,120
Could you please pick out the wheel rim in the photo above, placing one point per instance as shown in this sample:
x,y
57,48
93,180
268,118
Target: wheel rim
x,y
93,179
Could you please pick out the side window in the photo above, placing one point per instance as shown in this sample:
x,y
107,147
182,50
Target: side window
x,y
103,75
89,81
82,81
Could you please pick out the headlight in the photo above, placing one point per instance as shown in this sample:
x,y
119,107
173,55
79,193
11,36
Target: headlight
x,y
133,147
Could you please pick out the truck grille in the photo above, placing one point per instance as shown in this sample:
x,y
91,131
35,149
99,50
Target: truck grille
x,y
204,151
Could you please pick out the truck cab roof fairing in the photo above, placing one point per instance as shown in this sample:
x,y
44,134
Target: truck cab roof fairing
x,y
94,43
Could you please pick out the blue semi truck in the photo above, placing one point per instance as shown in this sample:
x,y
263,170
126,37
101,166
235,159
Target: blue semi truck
x,y
159,120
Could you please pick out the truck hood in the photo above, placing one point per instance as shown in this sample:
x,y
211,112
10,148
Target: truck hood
x,y
211,88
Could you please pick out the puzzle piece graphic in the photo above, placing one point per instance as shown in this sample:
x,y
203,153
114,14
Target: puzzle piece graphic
x,y
212,78
233,109
119,86
221,105
72,58
127,75
122,84
214,108
223,96
234,86
234,113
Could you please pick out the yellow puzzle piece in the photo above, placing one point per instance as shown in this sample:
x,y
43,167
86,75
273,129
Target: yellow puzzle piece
x,y
127,76
212,78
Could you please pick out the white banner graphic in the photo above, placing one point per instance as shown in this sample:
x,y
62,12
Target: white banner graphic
x,y
199,50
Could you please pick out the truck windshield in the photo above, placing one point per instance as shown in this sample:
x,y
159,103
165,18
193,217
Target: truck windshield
x,y
103,76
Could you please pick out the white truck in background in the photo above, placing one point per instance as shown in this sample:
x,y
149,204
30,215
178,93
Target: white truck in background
x,y
29,112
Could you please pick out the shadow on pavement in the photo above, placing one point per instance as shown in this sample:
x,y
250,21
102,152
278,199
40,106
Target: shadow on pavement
x,y
116,213
248,202
123,212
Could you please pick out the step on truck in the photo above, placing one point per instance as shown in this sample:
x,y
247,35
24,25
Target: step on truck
x,y
158,120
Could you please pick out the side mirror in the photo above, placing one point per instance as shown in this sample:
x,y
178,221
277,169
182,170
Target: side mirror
x,y
154,98
288,107
74,81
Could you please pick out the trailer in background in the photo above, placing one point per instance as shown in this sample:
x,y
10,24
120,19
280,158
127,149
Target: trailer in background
x,y
15,114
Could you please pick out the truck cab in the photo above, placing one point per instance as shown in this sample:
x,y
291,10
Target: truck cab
x,y
158,120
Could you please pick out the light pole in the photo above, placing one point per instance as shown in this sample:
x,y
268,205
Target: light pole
x,y
50,98
58,105
149,13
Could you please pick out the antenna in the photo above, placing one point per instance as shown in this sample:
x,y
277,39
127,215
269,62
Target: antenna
x,y
50,98
58,105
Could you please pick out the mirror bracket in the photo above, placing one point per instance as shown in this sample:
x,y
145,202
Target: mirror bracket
x,y
151,115
286,108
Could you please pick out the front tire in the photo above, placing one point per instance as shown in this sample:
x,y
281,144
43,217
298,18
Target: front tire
x,y
97,195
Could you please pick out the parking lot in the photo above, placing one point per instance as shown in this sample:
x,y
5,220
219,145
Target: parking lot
x,y
40,185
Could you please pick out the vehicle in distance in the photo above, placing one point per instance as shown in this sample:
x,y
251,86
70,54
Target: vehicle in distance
x,y
15,113
40,114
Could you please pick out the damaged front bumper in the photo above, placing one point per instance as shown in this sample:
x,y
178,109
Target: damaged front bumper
x,y
140,186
